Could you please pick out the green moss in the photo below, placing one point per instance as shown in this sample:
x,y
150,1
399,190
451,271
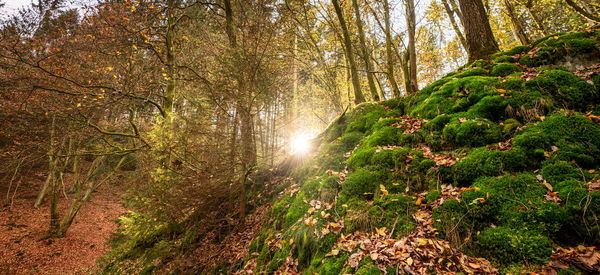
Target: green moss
x,y
296,211
368,269
560,171
490,107
472,132
507,246
504,69
510,126
311,188
566,89
513,83
385,122
384,136
514,51
306,245
278,211
555,47
333,265
455,96
383,159
361,157
486,162
394,210
350,140
433,196
449,219
359,182
574,137
364,116
279,258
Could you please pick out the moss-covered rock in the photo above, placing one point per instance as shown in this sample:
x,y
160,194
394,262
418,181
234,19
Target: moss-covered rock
x,y
507,246
504,69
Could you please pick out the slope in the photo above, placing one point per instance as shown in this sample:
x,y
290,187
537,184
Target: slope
x,y
491,169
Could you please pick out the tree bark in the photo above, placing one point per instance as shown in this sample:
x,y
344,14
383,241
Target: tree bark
x,y
481,43
365,51
412,84
516,26
459,34
358,95
389,54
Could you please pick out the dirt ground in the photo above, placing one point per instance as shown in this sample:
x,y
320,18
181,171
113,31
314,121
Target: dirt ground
x,y
22,226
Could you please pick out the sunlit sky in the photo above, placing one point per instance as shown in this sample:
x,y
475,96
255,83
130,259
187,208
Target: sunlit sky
x,y
13,5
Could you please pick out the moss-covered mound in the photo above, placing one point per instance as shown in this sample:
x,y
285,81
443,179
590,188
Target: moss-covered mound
x,y
513,134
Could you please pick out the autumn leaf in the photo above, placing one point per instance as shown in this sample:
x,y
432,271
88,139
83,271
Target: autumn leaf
x,y
383,190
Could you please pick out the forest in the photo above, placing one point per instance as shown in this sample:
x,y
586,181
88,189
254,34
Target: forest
x,y
299,137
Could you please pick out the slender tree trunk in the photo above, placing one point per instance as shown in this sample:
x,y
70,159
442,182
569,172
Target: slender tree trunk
x,y
232,158
170,91
54,218
516,26
412,86
536,18
358,95
459,34
481,43
366,54
388,51
588,15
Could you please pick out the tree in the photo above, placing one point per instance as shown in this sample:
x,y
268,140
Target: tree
x,y
481,43
451,11
358,95
389,52
585,11
366,54
516,26
410,61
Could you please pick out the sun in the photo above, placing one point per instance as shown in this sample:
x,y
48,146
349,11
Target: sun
x,y
300,144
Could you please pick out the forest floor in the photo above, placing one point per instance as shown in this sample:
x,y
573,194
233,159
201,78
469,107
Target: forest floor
x,y
22,227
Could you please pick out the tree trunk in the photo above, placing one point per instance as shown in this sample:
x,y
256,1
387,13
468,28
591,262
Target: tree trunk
x,y
459,34
389,52
536,18
412,84
588,15
365,51
516,26
358,95
481,43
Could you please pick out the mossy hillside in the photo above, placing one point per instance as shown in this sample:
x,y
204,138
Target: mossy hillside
x,y
513,136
